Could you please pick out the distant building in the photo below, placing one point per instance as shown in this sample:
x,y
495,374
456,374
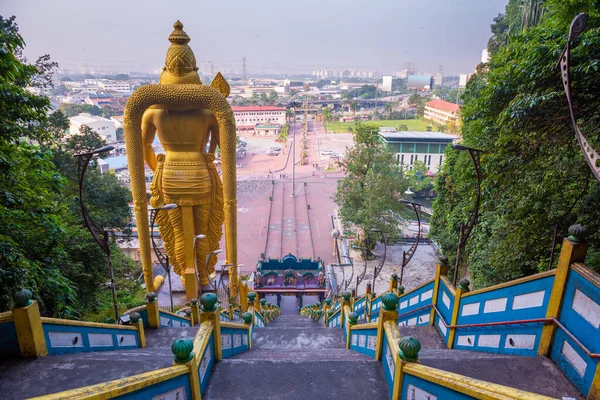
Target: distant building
x,y
104,127
118,120
441,111
267,129
387,83
462,80
419,82
246,118
206,68
438,79
409,147
114,86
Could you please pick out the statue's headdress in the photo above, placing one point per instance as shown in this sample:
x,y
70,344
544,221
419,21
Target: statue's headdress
x,y
180,63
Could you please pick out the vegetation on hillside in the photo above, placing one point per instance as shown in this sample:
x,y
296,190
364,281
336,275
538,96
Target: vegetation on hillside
x,y
535,179
43,244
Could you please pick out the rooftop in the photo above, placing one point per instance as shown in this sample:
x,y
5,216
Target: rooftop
x,y
389,135
443,105
86,118
256,108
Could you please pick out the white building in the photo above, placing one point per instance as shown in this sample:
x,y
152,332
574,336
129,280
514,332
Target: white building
x,y
104,127
386,86
246,118
409,147
75,98
115,86
207,68
438,79
441,111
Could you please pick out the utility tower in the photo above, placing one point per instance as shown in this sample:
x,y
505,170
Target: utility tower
x,y
244,77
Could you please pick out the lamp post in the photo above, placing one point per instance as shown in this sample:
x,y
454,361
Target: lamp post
x,y
162,258
465,229
380,267
208,256
345,282
365,253
83,160
406,256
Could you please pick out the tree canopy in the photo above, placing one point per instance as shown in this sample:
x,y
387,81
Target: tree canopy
x,y
535,179
43,244
368,196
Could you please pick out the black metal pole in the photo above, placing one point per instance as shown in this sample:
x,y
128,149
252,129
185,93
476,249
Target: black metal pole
x,y
113,288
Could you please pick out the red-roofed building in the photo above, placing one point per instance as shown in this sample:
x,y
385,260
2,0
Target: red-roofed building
x,y
441,111
246,118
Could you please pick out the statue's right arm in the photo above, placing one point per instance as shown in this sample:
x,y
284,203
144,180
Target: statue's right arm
x,y
148,132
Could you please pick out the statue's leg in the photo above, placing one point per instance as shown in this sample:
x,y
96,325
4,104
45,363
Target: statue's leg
x,y
189,237
201,217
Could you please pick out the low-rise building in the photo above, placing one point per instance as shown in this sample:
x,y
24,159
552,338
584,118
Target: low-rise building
x,y
104,127
267,129
246,118
441,111
409,147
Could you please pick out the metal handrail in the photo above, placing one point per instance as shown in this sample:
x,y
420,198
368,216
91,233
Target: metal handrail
x,y
522,322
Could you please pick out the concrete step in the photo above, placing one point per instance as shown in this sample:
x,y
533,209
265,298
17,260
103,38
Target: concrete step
x,y
299,339
277,355
534,374
427,335
23,378
164,337
297,380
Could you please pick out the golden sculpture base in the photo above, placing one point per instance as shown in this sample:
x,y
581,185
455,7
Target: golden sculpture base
x,y
191,284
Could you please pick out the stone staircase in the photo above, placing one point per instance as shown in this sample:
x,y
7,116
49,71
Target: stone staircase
x,y
296,358
533,374
23,378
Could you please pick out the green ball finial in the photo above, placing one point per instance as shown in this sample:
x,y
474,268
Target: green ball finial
x,y
330,312
400,289
263,302
409,349
464,285
577,233
209,302
353,318
247,317
251,297
182,350
327,301
194,302
135,317
394,277
346,295
22,298
389,301
151,297
444,261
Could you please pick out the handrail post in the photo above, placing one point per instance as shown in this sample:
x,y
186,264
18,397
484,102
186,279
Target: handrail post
x,y
388,312
442,269
28,325
152,310
210,312
463,287
574,249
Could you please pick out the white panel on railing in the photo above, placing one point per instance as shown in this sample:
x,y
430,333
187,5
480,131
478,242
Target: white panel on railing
x,y
446,300
528,300
100,339
573,358
205,362
65,339
488,341
519,341
354,340
587,308
414,393
371,342
245,339
442,327
237,340
362,340
126,340
427,295
424,318
390,360
403,304
412,322
174,394
495,305
225,341
413,300
470,309
466,340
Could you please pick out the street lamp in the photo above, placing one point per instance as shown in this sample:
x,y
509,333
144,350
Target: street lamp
x,y
344,281
406,256
465,229
380,267
162,258
83,160
365,253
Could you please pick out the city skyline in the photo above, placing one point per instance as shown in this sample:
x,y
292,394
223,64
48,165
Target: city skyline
x,y
275,38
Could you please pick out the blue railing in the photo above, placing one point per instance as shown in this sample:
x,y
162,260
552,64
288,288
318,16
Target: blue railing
x,y
205,365
234,340
413,307
172,320
364,340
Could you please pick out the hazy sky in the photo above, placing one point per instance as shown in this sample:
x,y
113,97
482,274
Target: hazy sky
x,y
277,35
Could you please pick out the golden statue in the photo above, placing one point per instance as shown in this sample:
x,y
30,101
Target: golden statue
x,y
186,116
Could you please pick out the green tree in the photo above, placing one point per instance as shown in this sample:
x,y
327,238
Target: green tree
x,y
535,176
71,110
273,97
368,196
388,108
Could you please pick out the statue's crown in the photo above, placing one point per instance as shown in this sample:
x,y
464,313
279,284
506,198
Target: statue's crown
x,y
180,58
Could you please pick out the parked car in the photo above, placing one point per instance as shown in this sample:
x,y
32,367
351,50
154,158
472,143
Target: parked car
x,y
275,148
272,152
335,157
326,152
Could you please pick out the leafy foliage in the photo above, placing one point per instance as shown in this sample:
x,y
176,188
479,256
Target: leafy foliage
x,y
43,245
368,195
535,176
